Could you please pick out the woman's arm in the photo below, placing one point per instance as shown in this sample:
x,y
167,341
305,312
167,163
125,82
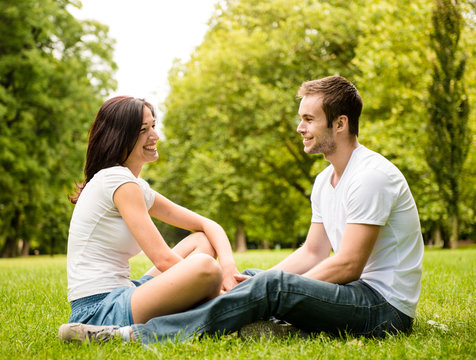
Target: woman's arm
x,y
176,215
131,205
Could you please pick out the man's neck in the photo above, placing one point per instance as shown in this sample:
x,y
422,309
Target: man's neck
x,y
340,158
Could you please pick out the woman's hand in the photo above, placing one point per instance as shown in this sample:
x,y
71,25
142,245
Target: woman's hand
x,y
229,284
241,277
229,279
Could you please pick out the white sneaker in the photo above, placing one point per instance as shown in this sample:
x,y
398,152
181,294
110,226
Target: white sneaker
x,y
77,332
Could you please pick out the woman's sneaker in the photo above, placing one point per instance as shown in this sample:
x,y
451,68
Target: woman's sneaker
x,y
77,332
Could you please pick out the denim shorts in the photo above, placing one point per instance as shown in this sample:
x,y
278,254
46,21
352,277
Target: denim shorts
x,y
113,308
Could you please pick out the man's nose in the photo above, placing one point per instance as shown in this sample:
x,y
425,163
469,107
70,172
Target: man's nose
x,y
300,127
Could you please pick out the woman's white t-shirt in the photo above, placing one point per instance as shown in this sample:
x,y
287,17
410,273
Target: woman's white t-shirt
x,y
373,191
100,244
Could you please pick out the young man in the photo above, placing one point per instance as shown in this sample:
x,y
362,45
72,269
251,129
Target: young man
x,y
362,209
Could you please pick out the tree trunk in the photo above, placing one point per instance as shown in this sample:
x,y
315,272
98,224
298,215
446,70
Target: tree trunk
x,y
10,248
240,237
52,245
454,231
438,241
25,247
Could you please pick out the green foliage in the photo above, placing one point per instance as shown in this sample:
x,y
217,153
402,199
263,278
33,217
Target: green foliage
x,y
33,305
231,150
448,108
54,72
393,83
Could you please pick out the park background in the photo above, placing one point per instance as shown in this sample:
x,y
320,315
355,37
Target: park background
x,y
229,148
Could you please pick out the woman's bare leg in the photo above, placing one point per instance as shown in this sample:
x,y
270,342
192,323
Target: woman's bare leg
x,y
193,244
196,278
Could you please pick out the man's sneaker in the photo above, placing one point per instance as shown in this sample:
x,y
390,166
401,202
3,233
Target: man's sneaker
x,y
77,332
269,329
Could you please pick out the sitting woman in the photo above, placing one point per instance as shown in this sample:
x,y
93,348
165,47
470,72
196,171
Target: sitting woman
x,y
112,222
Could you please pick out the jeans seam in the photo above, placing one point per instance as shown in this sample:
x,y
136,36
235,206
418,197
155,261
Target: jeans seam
x,y
374,306
216,315
395,313
86,308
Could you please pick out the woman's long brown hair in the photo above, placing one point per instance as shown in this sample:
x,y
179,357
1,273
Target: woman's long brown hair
x,y
112,136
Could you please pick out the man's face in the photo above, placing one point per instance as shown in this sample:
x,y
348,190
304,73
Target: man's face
x,y
318,138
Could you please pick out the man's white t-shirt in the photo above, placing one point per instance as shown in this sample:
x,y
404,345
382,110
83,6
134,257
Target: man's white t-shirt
x,y
373,191
100,244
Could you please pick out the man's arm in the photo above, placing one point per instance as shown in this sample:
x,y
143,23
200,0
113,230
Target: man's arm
x,y
315,249
347,265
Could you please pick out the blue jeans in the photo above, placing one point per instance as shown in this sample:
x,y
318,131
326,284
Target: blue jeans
x,y
309,304
113,308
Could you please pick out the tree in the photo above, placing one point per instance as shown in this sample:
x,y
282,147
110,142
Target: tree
x,y
230,148
393,56
232,151
448,109
54,73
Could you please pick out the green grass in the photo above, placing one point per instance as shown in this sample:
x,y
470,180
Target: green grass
x,y
33,304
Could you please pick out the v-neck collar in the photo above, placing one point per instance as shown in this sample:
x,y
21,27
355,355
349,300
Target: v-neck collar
x,y
347,166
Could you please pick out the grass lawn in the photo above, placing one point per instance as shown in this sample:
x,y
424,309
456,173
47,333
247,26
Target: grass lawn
x,y
33,305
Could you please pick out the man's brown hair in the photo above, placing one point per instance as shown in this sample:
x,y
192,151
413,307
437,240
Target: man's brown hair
x,y
339,97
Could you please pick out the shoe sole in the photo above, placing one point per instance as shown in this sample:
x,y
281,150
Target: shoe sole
x,y
77,332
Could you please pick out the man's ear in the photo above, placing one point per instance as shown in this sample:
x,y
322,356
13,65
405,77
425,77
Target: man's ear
x,y
342,123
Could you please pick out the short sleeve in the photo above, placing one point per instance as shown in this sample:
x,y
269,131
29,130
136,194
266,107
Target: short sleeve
x,y
117,176
319,197
370,198
316,213
114,178
149,194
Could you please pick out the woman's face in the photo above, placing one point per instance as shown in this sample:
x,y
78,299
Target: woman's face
x,y
145,149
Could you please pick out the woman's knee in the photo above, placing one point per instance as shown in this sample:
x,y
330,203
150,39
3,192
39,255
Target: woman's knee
x,y
203,244
207,269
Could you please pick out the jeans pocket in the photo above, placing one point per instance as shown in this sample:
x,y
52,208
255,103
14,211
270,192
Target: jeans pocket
x,y
84,313
380,330
391,321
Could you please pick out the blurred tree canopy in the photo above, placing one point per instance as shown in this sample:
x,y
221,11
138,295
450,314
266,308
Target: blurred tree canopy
x,y
448,109
231,151
54,73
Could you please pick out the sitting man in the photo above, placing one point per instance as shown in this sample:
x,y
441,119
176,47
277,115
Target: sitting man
x,y
362,210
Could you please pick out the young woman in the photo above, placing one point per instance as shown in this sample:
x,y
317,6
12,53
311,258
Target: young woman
x,y
112,222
